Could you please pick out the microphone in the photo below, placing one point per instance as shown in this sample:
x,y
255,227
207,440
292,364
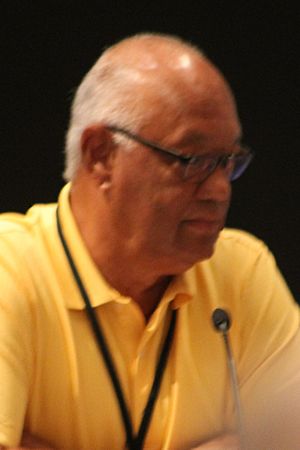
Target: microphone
x,y
222,323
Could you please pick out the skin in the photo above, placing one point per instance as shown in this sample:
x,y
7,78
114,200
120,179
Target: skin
x,y
132,207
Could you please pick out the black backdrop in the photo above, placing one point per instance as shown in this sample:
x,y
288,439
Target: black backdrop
x,y
47,46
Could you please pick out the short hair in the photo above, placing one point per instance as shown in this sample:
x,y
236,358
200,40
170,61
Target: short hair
x,y
106,94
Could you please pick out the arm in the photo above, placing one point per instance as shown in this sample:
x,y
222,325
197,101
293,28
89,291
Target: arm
x,y
16,347
224,442
273,406
15,373
268,359
29,442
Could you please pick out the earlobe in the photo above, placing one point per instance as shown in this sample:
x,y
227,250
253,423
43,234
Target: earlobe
x,y
101,174
105,185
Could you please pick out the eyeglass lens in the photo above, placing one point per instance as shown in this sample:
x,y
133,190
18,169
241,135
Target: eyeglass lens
x,y
234,165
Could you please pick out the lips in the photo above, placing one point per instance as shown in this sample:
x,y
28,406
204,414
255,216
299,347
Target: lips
x,y
207,225
205,219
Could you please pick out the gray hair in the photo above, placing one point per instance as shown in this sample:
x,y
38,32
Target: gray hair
x,y
106,95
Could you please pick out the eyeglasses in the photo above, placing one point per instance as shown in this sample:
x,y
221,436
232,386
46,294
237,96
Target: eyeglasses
x,y
199,167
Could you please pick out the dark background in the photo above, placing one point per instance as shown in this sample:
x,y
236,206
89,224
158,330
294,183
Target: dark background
x,y
47,46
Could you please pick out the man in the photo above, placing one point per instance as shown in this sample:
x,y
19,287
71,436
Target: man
x,y
107,338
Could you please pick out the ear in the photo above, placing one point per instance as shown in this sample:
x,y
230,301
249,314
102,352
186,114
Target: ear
x,y
97,151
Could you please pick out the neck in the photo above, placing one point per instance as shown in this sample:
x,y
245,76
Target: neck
x,y
146,296
143,284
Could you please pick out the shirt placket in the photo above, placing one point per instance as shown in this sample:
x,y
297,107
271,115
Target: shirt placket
x,y
144,364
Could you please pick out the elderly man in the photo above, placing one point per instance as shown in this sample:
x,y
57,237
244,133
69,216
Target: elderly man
x,y
107,340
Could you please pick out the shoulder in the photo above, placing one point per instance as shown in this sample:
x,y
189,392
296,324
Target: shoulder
x,y
240,240
20,233
239,250
15,234
237,256
245,267
242,270
17,223
22,240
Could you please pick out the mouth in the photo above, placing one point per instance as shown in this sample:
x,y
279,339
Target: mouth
x,y
205,226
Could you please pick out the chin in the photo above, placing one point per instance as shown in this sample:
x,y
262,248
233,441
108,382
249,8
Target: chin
x,y
203,255
185,260
203,249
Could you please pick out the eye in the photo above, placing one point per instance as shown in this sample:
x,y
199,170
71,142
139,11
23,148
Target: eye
x,y
200,165
193,160
203,162
228,160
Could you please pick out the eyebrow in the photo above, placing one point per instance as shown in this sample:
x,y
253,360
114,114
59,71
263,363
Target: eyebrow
x,y
200,139
175,151
197,137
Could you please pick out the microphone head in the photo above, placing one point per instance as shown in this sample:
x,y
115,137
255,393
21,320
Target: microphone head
x,y
221,320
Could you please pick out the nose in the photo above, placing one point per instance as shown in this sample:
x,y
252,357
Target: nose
x,y
216,187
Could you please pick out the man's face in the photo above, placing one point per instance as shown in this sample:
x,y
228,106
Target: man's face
x,y
165,221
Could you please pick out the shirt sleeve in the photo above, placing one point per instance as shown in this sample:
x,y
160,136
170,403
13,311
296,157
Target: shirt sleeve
x,y
16,348
268,358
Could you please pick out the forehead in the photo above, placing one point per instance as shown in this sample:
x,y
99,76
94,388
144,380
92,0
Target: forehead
x,y
176,91
191,110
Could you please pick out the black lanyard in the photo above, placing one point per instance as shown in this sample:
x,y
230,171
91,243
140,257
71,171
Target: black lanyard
x,y
132,442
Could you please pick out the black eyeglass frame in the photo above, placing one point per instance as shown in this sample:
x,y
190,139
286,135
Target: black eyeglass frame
x,y
245,156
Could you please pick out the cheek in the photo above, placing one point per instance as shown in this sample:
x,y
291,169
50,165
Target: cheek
x,y
148,192
157,214
170,202
164,218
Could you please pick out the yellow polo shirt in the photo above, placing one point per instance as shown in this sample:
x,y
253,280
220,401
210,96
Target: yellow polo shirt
x,y
53,381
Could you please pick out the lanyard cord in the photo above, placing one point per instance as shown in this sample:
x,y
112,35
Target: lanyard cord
x,y
132,442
